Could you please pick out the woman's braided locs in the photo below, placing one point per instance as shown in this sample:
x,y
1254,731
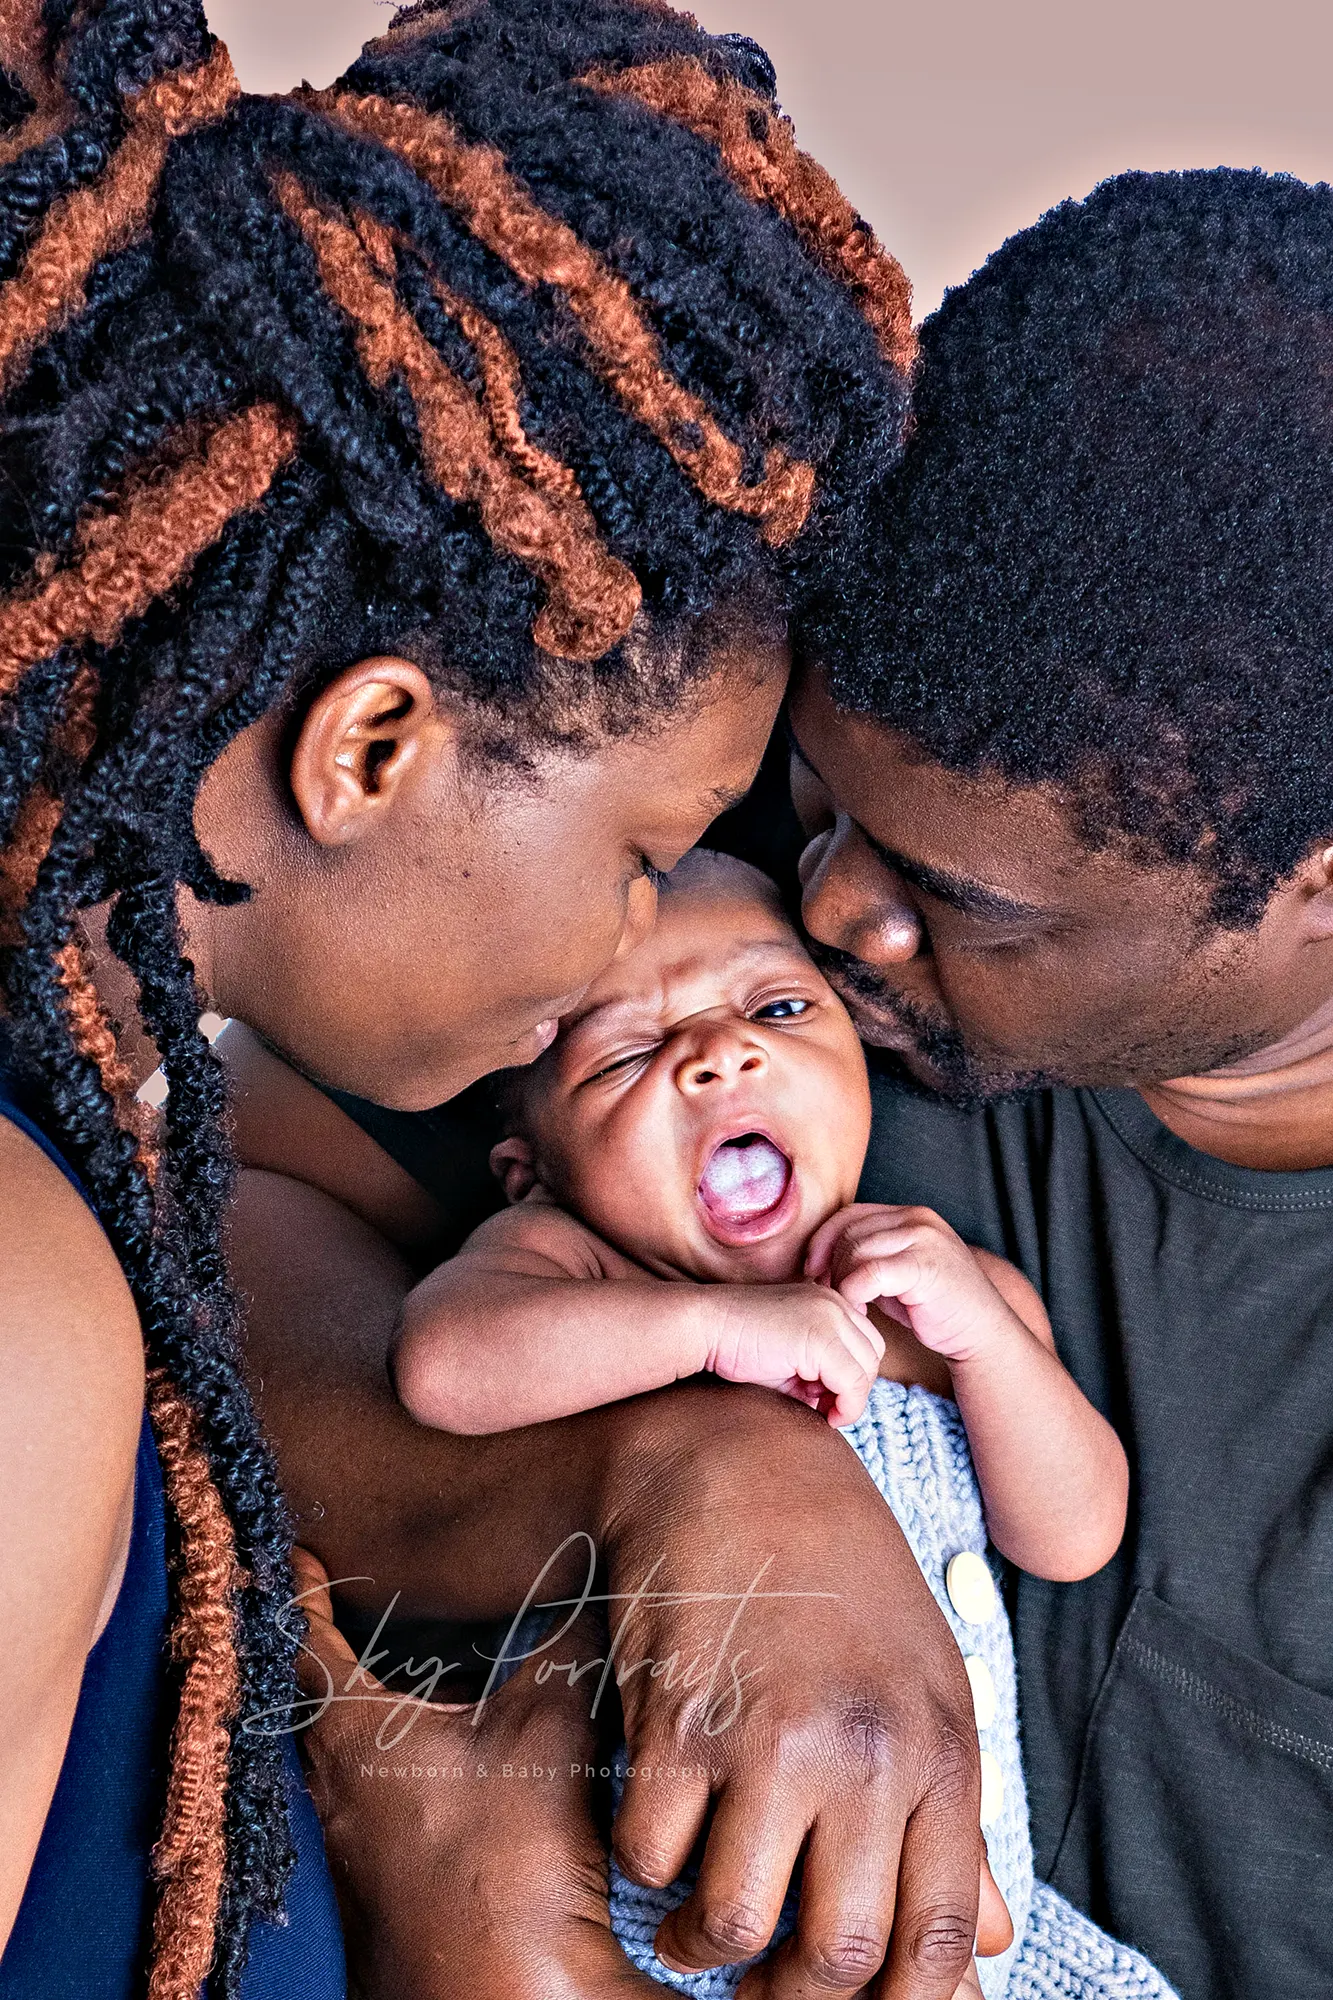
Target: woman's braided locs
x,y
526,349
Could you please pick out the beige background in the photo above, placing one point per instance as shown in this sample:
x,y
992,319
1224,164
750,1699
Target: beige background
x,y
952,122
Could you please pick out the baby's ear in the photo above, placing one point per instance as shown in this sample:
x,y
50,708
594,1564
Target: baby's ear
x,y
514,1167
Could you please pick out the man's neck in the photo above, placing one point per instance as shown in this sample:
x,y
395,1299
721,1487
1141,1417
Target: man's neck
x,y
1272,1110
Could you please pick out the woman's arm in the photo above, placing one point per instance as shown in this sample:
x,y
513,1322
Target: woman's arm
x,y
734,1530
71,1401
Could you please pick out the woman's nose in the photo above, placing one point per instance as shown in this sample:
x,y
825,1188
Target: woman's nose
x,y
640,914
852,900
720,1053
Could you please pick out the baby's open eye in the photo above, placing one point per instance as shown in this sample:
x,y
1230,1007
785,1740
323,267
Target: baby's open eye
x,y
781,1010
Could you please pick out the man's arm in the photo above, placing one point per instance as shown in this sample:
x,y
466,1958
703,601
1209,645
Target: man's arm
x,y
826,1710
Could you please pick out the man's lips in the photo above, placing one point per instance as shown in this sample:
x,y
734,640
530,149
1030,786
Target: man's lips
x,y
747,1190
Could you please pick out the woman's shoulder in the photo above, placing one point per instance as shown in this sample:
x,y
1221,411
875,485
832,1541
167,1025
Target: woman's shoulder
x,y
71,1409
71,1375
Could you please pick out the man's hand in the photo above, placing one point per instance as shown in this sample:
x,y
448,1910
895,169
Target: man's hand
x,y
736,1571
803,1340
460,1887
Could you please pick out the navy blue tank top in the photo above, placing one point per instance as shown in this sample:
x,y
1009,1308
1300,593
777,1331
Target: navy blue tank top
x,y
84,1925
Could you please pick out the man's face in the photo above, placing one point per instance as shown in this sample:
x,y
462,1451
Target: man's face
x,y
968,927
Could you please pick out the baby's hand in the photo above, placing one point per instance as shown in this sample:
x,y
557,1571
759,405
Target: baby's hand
x,y
910,1263
802,1339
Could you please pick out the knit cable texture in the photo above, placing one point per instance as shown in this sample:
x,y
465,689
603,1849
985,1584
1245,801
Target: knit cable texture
x,y
915,1449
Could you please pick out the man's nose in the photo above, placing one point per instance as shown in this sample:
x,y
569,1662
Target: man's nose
x,y
640,914
852,900
720,1052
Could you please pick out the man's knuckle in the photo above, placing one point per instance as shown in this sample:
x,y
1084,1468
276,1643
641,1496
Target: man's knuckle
x,y
844,1958
951,1770
734,1927
867,1738
941,1942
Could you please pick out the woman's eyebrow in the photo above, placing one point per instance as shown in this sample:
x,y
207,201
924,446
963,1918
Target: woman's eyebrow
x,y
960,892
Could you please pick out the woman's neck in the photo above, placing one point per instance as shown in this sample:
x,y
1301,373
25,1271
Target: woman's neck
x,y
1272,1110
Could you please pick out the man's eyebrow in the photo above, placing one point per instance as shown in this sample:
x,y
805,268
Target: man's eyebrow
x,y
960,892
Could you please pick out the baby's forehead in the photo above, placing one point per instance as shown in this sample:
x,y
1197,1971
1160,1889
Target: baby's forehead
x,y
712,930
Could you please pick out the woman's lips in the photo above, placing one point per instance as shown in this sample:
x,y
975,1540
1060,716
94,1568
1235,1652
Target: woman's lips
x,y
747,1191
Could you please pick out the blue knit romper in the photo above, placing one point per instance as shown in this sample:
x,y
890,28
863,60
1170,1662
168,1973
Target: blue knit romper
x,y
914,1447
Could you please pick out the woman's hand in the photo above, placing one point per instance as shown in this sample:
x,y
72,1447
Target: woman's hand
x,y
776,1641
460,1887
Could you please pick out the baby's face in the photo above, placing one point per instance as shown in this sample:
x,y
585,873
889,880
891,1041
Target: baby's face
x,y
707,1105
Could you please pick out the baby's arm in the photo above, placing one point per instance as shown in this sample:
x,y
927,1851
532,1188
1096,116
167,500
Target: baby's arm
x,y
1051,1470
537,1317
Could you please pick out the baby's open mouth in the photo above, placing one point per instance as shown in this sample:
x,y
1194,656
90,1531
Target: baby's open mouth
x,y
746,1177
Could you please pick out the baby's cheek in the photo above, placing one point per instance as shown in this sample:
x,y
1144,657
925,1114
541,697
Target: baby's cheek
x,y
632,1196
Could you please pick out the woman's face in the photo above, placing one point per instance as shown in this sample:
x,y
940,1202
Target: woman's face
x,y
420,917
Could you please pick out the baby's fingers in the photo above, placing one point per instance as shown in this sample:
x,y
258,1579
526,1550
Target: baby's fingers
x,y
895,1276
819,1250
845,1376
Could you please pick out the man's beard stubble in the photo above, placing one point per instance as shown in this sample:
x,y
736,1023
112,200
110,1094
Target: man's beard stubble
x,y
937,1061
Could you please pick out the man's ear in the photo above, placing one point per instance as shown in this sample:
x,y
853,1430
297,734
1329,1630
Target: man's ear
x,y
1314,882
514,1166
361,736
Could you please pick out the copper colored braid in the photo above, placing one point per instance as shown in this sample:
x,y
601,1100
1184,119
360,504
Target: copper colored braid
x,y
592,598
500,377
760,153
540,249
132,554
191,1852
23,51
88,225
94,1037
501,385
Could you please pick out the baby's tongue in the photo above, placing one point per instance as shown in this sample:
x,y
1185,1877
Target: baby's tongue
x,y
744,1177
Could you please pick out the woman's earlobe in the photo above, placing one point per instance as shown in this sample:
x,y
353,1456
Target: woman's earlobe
x,y
360,737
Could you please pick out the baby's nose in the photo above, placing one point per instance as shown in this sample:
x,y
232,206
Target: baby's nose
x,y
720,1053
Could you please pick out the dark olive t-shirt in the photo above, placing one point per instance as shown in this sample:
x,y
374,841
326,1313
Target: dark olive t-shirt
x,y
1177,1708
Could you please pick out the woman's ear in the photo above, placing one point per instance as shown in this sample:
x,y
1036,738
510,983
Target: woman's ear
x,y
515,1168
360,738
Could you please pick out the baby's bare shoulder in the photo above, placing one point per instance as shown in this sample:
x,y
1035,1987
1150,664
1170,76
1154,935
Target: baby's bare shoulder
x,y
536,1237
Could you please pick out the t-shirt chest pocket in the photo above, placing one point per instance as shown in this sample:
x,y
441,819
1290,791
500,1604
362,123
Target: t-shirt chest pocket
x,y
1187,1732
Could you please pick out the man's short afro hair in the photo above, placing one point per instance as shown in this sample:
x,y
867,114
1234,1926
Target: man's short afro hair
x,y
1106,562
